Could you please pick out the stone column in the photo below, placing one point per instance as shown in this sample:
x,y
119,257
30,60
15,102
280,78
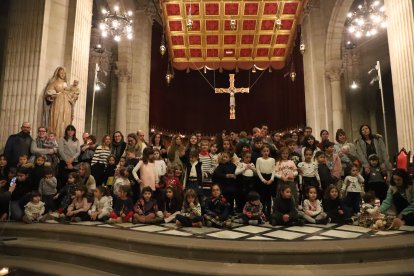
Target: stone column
x,y
77,54
334,72
401,45
122,100
317,87
43,34
139,90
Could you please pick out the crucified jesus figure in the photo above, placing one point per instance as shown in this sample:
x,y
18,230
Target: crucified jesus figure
x,y
232,91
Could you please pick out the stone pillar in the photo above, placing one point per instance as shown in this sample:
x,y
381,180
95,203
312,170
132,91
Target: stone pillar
x,y
43,34
401,44
317,88
122,101
77,54
139,90
22,88
334,72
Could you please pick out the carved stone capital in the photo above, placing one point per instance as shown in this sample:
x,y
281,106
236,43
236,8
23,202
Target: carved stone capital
x,y
334,70
122,72
149,10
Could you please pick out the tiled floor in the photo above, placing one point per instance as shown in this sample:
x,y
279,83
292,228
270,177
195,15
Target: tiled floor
x,y
264,232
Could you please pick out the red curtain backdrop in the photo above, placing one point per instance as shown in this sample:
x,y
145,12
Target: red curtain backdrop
x,y
189,103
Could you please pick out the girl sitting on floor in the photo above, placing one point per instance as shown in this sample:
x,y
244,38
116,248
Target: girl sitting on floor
x,y
171,204
217,212
284,208
312,208
332,205
78,209
191,211
102,205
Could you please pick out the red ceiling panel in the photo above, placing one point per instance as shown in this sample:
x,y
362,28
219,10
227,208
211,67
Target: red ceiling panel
x,y
247,39
265,39
177,40
246,52
251,8
175,25
212,39
230,39
290,7
212,52
195,53
195,9
249,25
173,9
212,25
194,40
231,8
270,9
279,52
262,52
282,39
212,9
267,24
255,38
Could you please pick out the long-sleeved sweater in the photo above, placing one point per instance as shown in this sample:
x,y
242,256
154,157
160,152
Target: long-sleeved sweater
x,y
191,212
103,206
314,208
78,206
353,184
408,194
265,166
48,186
309,169
68,149
34,208
101,155
286,168
243,170
148,174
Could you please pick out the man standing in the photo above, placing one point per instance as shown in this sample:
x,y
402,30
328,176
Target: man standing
x,y
18,144
37,146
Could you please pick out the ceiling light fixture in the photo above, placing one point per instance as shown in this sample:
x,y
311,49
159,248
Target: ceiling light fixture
x,y
367,19
116,24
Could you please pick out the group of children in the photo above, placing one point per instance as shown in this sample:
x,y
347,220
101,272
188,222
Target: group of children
x,y
260,183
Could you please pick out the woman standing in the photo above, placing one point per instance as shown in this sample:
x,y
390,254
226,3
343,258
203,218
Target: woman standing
x,y
132,145
345,150
158,143
69,150
118,145
369,144
100,159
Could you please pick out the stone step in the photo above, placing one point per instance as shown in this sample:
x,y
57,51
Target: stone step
x,y
253,252
47,267
131,263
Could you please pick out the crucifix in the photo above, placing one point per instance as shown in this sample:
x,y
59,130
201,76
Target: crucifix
x,y
232,91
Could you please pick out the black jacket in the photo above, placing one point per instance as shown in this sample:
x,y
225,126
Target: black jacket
x,y
17,145
198,170
219,175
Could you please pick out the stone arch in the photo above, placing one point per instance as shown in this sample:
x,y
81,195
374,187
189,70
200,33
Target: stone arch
x,y
335,30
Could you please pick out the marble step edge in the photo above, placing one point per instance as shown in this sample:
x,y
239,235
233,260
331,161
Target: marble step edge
x,y
130,263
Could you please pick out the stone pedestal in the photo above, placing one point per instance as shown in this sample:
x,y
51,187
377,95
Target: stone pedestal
x,y
43,34
401,46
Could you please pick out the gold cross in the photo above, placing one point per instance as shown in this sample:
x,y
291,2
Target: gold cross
x,y
232,90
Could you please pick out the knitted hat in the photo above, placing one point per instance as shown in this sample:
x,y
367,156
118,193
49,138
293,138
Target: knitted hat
x,y
373,157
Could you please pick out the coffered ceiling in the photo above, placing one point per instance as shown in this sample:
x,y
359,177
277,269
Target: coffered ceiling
x,y
255,40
